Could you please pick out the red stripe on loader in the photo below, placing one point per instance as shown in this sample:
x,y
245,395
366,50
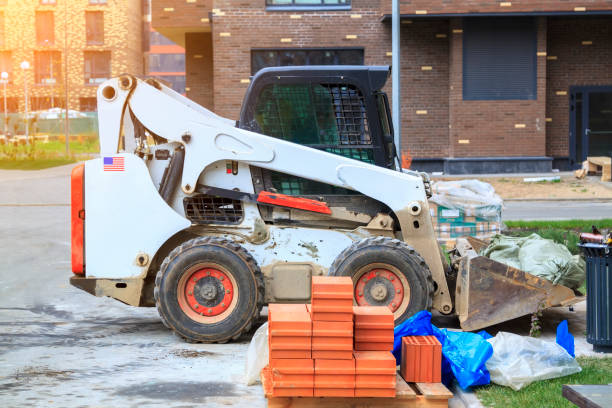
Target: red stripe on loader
x,y
299,203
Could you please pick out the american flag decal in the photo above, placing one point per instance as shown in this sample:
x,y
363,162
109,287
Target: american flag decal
x,y
114,164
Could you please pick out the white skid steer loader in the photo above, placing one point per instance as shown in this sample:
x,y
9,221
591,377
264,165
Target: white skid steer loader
x,y
209,219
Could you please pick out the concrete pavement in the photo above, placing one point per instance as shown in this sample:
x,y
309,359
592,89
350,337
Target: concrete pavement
x,y
556,210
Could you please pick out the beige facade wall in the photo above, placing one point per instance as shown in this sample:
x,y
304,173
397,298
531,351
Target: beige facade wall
x,y
122,37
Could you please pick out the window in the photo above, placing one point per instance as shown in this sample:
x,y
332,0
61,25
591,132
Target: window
x,y
88,104
45,34
157,39
1,28
166,62
97,1
94,27
176,82
47,1
97,67
323,116
499,59
47,67
46,102
312,4
6,64
12,106
301,56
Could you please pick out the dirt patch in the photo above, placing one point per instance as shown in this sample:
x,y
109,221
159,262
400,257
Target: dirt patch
x,y
30,372
567,188
192,353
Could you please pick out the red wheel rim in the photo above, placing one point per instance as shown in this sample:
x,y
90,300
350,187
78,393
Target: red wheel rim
x,y
207,293
379,287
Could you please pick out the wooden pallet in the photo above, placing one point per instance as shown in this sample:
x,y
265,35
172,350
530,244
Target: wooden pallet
x,y
408,395
599,164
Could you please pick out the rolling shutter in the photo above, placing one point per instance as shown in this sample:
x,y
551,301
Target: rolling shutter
x,y
499,58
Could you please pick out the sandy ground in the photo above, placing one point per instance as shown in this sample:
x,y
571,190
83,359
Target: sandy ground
x,y
568,187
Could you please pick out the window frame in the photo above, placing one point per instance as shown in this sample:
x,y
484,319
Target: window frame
x,y
479,94
52,62
47,30
281,49
305,7
94,15
102,79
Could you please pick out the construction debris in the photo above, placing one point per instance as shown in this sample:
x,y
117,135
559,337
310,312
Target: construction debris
x,y
551,179
538,256
464,208
598,165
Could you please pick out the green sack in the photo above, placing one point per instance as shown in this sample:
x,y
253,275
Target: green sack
x,y
540,257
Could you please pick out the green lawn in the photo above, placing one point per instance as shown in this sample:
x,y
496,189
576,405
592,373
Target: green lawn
x,y
44,155
547,394
35,164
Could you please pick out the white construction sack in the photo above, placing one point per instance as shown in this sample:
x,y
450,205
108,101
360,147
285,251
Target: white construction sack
x,y
257,354
518,361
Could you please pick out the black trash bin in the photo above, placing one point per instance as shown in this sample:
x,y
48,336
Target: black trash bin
x,y
599,295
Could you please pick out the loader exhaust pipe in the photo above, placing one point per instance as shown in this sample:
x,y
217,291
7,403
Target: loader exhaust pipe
x,y
172,175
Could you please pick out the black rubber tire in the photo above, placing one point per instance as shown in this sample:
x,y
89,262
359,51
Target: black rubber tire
x,y
396,253
245,272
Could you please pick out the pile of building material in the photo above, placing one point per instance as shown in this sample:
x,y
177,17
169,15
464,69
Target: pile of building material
x,y
596,165
332,349
464,208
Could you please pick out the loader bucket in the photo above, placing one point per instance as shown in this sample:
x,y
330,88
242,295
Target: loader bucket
x,y
489,292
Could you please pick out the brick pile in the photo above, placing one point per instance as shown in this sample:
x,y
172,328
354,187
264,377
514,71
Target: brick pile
x,y
349,348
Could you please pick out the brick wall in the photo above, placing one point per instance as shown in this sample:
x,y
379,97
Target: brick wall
x,y
495,127
122,37
241,26
425,84
579,53
181,15
199,68
423,7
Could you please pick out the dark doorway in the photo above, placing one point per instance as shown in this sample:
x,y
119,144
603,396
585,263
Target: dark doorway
x,y
590,122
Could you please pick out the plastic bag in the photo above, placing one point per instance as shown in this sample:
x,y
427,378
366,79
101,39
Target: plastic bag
x,y
473,197
518,360
463,354
257,354
565,338
540,257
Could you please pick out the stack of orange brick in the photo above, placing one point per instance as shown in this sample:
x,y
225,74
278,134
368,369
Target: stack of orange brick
x,y
291,368
421,359
375,374
332,336
373,328
312,347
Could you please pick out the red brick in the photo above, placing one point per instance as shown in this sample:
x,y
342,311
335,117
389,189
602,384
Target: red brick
x,y
332,287
333,355
374,392
332,329
421,359
373,317
334,374
380,363
374,346
334,392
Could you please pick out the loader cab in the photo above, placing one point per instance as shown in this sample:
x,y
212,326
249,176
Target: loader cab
x,y
338,109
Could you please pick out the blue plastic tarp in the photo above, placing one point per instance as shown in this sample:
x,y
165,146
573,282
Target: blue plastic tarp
x,y
463,354
565,338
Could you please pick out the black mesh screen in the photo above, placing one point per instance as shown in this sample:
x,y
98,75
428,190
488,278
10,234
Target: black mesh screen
x,y
207,209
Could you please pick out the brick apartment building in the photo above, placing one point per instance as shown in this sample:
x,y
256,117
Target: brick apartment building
x,y
104,39
487,86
